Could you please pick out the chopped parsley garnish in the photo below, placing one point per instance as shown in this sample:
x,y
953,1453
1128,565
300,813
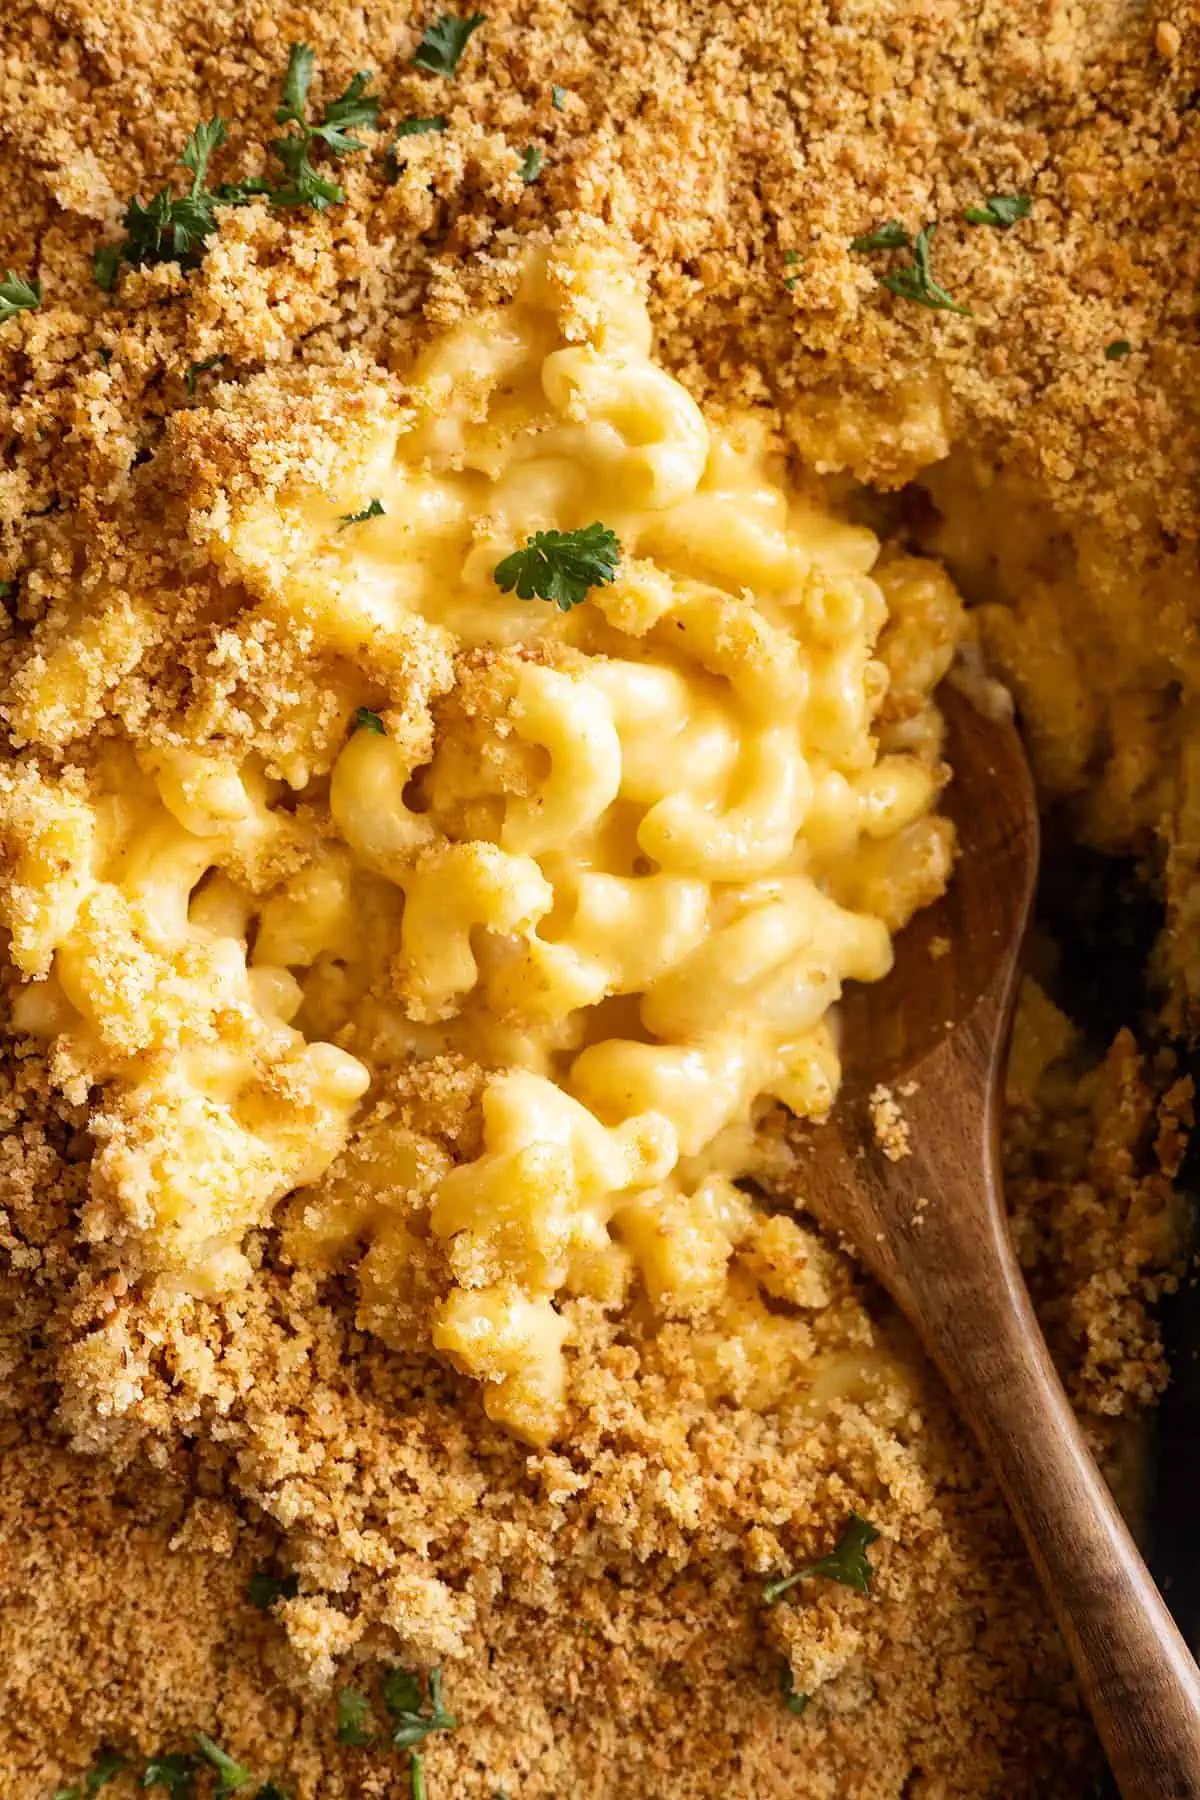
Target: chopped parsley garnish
x,y
557,96
442,44
353,1708
176,1771
405,1700
105,263
416,1777
1002,211
232,1775
418,127
366,720
108,1764
795,1703
1119,348
200,368
264,1589
374,510
306,186
791,258
173,228
915,280
7,589
105,355
891,236
269,1791
847,1563
532,158
563,566
17,296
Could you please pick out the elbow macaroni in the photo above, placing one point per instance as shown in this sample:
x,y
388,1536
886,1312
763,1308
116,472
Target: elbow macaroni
x,y
623,858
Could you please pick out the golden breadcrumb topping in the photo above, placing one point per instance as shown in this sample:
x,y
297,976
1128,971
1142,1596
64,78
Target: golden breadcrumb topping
x,y
595,1607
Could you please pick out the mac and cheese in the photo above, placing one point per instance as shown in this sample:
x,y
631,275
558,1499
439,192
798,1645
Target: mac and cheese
x,y
620,859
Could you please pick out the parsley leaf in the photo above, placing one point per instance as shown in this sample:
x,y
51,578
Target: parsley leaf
x,y
269,1791
1114,352
306,186
17,296
563,566
375,510
173,228
791,258
302,60
264,1589
7,589
795,1703
416,1777
108,1764
557,96
846,1563
915,280
442,44
233,1775
201,368
353,1711
417,127
366,720
405,1701
176,1771
532,159
891,236
1002,210
105,263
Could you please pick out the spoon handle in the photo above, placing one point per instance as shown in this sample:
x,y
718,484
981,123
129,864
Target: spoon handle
x,y
970,1304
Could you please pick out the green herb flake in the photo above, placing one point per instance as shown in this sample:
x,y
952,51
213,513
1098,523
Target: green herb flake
x,y
7,589
172,228
532,159
366,720
795,1703
264,1589
18,295
1118,350
232,1775
175,1771
353,1710
418,127
557,96
270,1791
891,236
405,1700
792,258
105,263
846,1563
374,510
1002,211
108,1764
442,44
306,186
200,368
915,281
105,354
563,566
416,1777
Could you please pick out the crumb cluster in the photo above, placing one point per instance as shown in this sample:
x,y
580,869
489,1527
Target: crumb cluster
x,y
595,1607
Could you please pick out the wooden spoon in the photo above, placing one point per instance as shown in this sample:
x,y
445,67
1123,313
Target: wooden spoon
x,y
931,1227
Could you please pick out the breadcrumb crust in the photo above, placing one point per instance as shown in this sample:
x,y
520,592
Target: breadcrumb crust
x,y
595,1609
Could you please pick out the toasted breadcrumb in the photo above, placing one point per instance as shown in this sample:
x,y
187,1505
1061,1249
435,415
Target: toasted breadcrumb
x,y
595,1608
891,1128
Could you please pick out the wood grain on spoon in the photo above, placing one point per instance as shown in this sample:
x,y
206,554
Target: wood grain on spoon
x,y
931,1227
